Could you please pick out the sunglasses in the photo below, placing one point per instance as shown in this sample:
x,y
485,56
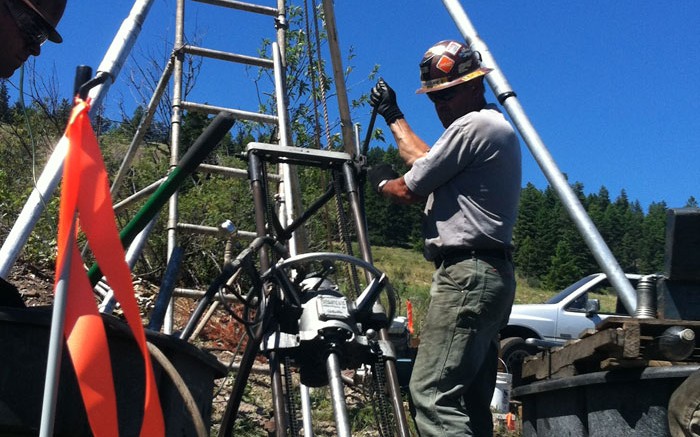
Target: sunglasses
x,y
33,28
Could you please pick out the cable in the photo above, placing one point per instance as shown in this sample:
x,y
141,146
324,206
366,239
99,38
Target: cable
x,y
26,120
181,388
321,79
312,75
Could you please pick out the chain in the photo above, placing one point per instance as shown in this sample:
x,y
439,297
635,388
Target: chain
x,y
343,229
379,397
290,398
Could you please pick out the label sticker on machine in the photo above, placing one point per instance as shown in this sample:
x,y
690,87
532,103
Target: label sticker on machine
x,y
331,307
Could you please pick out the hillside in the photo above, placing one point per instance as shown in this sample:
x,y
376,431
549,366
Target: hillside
x,y
410,275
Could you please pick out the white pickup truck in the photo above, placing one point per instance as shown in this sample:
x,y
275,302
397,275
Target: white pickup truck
x,y
580,306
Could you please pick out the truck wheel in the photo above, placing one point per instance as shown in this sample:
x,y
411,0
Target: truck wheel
x,y
513,352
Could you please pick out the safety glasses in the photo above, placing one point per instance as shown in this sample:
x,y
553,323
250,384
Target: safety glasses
x,y
445,95
33,28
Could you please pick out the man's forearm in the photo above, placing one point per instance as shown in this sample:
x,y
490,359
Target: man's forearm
x,y
397,191
411,147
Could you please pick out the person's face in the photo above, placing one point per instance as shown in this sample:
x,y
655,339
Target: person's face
x,y
454,102
22,31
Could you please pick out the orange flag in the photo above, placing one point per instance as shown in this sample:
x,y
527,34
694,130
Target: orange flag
x,y
85,197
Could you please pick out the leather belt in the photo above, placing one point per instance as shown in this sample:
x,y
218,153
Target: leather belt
x,y
504,254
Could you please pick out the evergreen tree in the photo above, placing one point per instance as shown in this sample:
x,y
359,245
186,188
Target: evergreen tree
x,y
528,255
193,124
5,114
586,261
391,224
632,240
525,259
552,220
598,206
564,268
653,238
615,225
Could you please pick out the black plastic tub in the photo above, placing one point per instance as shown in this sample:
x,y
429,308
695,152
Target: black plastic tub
x,y
624,402
24,337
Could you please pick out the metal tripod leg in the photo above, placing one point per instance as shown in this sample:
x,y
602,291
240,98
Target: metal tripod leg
x,y
234,402
395,392
335,383
278,396
306,410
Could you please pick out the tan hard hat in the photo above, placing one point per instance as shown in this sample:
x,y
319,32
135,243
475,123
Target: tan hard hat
x,y
50,11
449,63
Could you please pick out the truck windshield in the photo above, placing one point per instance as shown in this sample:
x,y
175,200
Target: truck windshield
x,y
568,290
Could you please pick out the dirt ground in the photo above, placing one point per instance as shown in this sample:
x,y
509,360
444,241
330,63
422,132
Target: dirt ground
x,y
35,285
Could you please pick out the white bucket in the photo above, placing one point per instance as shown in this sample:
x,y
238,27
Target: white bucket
x,y
500,402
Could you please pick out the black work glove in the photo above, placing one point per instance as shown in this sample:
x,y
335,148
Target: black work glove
x,y
383,98
379,173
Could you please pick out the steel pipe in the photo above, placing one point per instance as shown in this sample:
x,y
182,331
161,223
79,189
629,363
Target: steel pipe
x,y
335,382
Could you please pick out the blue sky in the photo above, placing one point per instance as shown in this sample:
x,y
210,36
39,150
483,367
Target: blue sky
x,y
611,87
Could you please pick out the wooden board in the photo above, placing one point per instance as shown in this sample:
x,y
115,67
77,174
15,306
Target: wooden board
x,y
616,322
616,342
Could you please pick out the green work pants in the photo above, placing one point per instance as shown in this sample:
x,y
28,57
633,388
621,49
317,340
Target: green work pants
x,y
455,370
684,408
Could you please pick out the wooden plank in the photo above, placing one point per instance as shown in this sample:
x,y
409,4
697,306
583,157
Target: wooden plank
x,y
625,342
617,363
565,372
588,332
551,362
631,340
616,322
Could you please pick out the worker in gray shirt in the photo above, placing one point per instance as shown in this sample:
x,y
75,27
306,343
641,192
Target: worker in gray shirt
x,y
470,183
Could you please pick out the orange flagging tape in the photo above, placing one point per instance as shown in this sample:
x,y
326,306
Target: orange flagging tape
x,y
85,197
510,421
409,315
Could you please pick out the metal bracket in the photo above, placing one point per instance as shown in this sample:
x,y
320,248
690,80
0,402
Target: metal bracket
x,y
298,155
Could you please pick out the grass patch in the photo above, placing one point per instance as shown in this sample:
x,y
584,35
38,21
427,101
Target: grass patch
x,y
410,275
526,293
